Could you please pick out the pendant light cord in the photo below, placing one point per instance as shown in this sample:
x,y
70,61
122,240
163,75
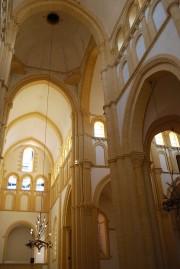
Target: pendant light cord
x,y
170,167
47,99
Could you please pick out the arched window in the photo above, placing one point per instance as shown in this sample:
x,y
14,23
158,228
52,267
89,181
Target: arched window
x,y
173,139
99,129
159,139
100,156
125,72
12,182
26,182
159,15
140,47
28,159
132,14
69,143
40,184
103,235
120,39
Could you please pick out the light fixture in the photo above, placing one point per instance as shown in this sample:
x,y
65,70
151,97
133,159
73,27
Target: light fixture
x,y
39,237
172,202
38,241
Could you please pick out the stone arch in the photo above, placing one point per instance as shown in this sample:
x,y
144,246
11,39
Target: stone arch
x,y
38,143
30,80
104,152
99,189
9,194
131,4
84,94
58,85
66,202
25,10
40,116
161,125
10,228
79,13
139,98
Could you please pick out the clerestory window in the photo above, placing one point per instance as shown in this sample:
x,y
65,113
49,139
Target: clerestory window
x,y
12,182
99,129
40,184
173,139
26,182
159,139
28,160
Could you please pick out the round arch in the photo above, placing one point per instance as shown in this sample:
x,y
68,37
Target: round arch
x,y
10,228
39,144
25,10
40,116
166,123
56,84
139,98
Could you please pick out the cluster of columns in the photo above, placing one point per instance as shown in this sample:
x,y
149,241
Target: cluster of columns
x,y
6,54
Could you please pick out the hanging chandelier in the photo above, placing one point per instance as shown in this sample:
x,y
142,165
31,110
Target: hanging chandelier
x,y
38,242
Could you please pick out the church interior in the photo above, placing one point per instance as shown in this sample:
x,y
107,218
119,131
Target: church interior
x,y
89,134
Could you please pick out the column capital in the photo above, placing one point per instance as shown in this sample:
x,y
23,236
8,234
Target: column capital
x,y
86,164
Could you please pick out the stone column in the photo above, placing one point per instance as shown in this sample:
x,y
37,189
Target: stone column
x,y
5,67
84,214
108,74
146,32
141,167
138,239
6,108
137,230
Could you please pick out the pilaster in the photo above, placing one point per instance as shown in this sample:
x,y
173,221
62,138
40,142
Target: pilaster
x,y
84,214
108,74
